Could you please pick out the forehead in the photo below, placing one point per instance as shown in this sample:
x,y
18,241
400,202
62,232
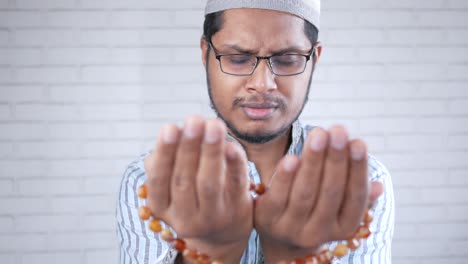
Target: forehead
x,y
262,29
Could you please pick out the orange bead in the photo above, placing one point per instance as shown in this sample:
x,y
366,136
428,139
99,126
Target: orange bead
x,y
155,226
167,235
260,188
144,212
298,261
368,217
252,186
363,232
203,259
142,191
325,256
179,245
340,250
353,243
191,254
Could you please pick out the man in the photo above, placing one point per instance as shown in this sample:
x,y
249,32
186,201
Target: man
x,y
259,58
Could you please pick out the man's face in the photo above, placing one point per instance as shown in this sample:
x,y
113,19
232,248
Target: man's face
x,y
262,106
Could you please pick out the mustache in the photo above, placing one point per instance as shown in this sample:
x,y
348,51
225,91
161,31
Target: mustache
x,y
259,100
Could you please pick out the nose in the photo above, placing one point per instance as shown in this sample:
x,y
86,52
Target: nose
x,y
262,79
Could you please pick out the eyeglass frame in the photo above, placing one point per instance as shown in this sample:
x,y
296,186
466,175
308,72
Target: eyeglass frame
x,y
267,58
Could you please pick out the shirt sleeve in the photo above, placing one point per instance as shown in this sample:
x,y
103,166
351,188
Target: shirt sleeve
x,y
377,248
138,245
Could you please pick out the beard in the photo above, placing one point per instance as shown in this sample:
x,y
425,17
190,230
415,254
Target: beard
x,y
262,136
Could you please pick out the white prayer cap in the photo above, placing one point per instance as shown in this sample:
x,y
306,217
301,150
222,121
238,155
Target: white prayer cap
x,y
306,9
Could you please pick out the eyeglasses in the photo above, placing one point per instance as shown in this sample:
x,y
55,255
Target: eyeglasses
x,y
245,64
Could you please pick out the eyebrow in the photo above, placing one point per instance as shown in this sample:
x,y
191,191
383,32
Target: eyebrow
x,y
291,49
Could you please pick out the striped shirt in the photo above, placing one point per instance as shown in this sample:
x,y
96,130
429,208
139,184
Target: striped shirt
x,y
142,246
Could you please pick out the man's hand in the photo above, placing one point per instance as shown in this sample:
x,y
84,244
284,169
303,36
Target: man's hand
x,y
315,199
198,184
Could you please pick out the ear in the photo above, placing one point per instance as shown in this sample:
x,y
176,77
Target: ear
x,y
318,52
204,49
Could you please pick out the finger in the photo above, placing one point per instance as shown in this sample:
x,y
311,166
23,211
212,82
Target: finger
x,y
306,184
376,189
274,202
237,179
210,177
356,197
159,168
186,165
335,173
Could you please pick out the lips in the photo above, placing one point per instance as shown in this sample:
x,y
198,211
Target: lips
x,y
259,111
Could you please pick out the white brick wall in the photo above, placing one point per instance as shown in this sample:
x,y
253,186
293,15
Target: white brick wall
x,y
86,84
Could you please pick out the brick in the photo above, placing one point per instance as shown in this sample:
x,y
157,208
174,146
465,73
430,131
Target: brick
x,y
20,19
98,222
49,186
95,93
427,160
5,112
452,54
422,214
77,241
116,112
10,169
141,19
82,204
407,196
189,18
101,256
6,188
425,248
6,149
179,111
457,36
4,37
444,230
27,242
447,195
457,72
442,19
406,231
144,4
77,56
173,74
22,206
73,257
87,168
374,143
111,74
355,72
420,178
20,93
102,185
378,90
45,37
51,112
127,130
22,131
6,224
171,37
335,90
338,54
458,177
123,37
458,142
344,109
48,150
414,36
187,55
143,55
4,4
457,212
7,257
386,54
443,259
77,19
411,72
458,4
458,107
450,90
16,57
111,149
46,223
386,125
6,75
337,19
385,18
354,38
88,130
47,75
419,142
441,124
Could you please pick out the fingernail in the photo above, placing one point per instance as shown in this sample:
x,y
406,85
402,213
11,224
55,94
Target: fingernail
x,y
212,135
191,128
357,152
338,139
169,136
318,140
290,164
231,151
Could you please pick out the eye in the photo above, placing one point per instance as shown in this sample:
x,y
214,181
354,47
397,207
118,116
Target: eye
x,y
239,59
287,60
